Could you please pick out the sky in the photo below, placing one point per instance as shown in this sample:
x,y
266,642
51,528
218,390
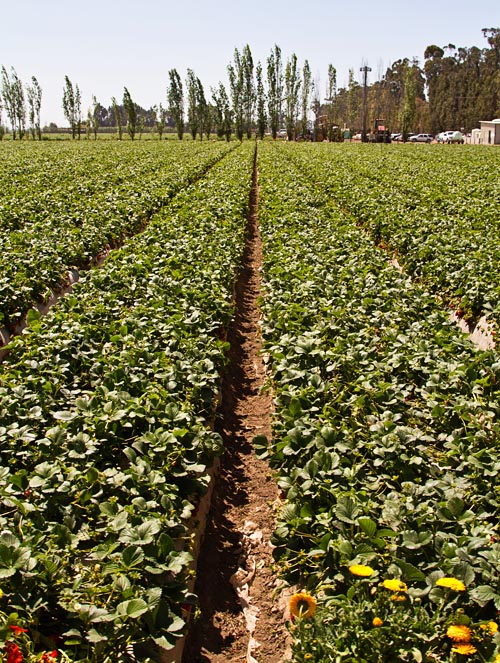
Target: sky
x,y
103,46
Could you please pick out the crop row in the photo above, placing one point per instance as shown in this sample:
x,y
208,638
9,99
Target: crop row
x,y
385,437
63,204
436,209
105,436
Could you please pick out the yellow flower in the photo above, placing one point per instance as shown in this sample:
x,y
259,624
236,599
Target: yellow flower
x,y
376,621
465,649
491,627
459,633
497,658
451,583
398,597
361,570
395,585
308,656
302,605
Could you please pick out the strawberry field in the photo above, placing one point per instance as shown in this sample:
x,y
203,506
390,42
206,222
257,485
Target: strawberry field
x,y
385,422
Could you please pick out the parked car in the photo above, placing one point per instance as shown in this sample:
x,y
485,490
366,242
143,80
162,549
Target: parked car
x,y
450,137
421,138
395,136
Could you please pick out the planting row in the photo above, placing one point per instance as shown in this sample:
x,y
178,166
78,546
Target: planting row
x,y
385,440
105,436
436,209
63,204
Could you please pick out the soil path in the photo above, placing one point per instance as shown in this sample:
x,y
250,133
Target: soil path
x,y
236,551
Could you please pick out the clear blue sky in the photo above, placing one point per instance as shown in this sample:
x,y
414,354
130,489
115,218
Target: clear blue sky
x,y
105,45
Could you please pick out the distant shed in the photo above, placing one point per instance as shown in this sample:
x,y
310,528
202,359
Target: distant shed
x,y
490,132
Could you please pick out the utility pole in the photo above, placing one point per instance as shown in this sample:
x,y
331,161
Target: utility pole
x,y
365,71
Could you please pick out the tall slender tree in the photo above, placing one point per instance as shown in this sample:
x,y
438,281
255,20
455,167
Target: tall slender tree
x,y
118,118
159,119
223,114
248,89
275,89
305,97
131,111
331,99
34,96
236,75
72,107
9,100
176,101
292,88
261,104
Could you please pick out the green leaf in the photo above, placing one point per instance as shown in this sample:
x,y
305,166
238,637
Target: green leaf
x,y
133,608
368,526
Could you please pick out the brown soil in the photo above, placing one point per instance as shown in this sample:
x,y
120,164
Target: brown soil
x,y
241,520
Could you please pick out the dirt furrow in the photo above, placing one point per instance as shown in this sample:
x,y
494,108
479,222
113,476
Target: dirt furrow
x,y
240,617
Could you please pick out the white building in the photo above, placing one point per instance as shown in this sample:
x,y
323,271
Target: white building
x,y
490,132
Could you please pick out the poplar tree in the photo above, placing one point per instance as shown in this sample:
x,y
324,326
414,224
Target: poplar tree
x,y
248,89
223,115
176,101
159,119
131,111
331,98
15,104
34,95
306,92
9,100
292,88
261,104
72,107
192,102
118,119
236,87
275,89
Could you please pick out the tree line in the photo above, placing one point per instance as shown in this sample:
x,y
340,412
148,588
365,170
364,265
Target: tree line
x,y
454,89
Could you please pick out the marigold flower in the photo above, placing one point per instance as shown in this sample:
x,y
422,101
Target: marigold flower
x,y
395,585
451,583
17,629
398,597
302,605
459,633
376,621
491,627
465,649
361,570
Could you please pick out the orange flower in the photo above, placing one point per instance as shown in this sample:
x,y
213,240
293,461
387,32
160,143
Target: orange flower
x,y
14,654
376,621
491,627
465,649
302,605
459,633
17,629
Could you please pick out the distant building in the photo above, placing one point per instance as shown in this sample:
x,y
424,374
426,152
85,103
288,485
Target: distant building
x,y
490,132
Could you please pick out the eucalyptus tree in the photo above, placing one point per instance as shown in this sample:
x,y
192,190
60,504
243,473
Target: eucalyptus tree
x,y
292,89
131,111
275,89
236,75
118,117
72,107
175,96
34,96
306,93
261,103
248,89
